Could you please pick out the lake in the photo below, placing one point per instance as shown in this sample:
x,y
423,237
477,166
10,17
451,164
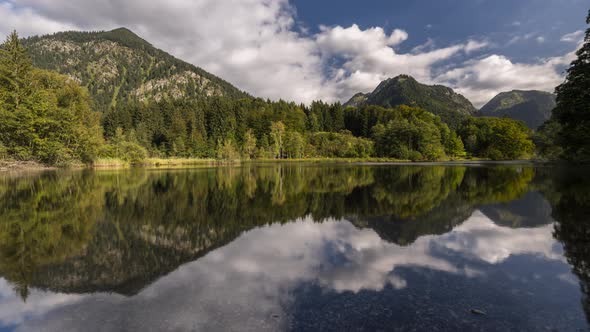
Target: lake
x,y
296,247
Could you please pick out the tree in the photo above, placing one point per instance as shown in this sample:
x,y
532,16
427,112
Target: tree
x,y
338,145
294,144
227,150
412,134
249,145
277,133
497,138
454,146
572,111
546,139
15,73
44,116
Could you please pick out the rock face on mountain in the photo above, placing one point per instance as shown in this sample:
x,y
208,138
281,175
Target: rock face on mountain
x,y
118,66
405,90
531,107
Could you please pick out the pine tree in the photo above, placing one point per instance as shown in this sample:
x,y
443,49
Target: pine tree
x,y
15,72
573,106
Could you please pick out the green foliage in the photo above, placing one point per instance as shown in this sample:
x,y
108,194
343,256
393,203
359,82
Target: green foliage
x,y
531,107
119,67
414,134
15,73
294,145
249,145
572,110
226,150
497,138
47,117
3,152
325,117
453,144
277,134
338,145
43,115
131,152
124,147
546,139
453,108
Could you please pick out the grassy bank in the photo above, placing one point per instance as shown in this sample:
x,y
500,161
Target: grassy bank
x,y
114,163
153,162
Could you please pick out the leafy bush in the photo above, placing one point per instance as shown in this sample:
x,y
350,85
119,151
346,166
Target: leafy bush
x,y
338,145
44,116
3,151
53,153
413,134
497,138
132,152
227,151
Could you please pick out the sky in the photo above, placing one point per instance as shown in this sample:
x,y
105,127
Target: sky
x,y
305,50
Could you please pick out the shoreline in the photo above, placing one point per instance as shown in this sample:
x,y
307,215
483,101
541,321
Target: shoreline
x,y
20,166
175,163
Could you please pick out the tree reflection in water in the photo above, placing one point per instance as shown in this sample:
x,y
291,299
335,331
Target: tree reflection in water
x,y
119,231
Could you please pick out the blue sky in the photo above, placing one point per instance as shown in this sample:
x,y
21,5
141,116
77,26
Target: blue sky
x,y
452,21
304,50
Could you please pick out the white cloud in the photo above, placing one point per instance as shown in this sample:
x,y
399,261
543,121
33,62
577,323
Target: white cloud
x,y
251,43
474,45
255,45
369,57
480,80
574,37
27,22
521,37
540,39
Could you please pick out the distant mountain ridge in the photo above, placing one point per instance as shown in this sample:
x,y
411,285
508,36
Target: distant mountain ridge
x,y
405,90
532,107
118,66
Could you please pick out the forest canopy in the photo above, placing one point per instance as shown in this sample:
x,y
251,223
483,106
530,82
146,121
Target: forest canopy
x,y
567,134
50,118
44,116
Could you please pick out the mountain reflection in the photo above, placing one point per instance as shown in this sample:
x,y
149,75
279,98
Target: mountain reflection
x,y
67,239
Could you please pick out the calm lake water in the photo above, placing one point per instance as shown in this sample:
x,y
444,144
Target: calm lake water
x,y
296,247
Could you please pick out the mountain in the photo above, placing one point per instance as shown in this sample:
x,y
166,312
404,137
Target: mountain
x,y
358,100
405,90
531,107
119,66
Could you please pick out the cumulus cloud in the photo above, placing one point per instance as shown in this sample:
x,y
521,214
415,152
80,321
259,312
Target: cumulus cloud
x,y
369,56
27,22
251,43
481,79
574,37
474,45
258,46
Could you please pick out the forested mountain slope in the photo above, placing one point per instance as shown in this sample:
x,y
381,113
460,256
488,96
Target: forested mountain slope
x,y
118,66
405,90
531,107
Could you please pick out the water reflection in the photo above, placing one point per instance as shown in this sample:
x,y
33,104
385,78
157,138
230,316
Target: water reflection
x,y
293,247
